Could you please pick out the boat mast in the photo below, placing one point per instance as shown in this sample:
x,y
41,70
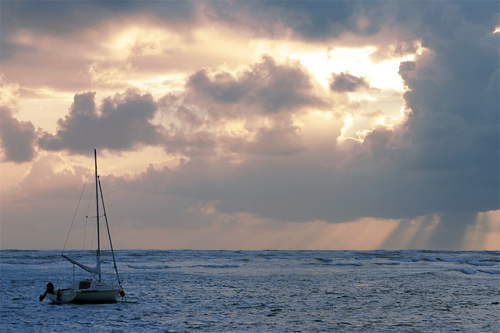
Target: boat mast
x,y
98,253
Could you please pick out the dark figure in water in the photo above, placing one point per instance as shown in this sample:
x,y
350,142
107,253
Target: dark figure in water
x,y
49,290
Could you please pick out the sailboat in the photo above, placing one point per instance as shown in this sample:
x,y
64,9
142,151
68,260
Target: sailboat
x,y
89,290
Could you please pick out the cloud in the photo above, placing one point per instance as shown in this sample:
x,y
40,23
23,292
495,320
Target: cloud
x,y
426,165
310,20
41,202
281,138
452,132
65,18
122,123
270,86
444,157
259,138
196,143
345,82
249,112
16,137
78,39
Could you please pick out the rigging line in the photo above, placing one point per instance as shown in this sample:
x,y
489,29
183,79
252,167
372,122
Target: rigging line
x,y
94,232
87,216
76,211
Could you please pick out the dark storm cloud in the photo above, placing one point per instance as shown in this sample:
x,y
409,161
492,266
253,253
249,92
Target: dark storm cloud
x,y
345,82
16,137
66,17
270,86
313,20
123,122
453,129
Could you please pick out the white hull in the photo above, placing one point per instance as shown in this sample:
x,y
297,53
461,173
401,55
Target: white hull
x,y
106,296
86,292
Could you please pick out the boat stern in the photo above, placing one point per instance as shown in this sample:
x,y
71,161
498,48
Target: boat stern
x,y
62,296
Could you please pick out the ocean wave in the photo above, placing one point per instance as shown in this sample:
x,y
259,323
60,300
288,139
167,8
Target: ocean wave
x,y
482,263
468,271
328,260
346,264
387,263
216,266
141,267
489,271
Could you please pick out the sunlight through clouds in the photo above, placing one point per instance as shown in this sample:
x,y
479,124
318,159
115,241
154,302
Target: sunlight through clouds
x,y
485,233
256,124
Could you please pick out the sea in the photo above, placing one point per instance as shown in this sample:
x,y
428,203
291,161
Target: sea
x,y
262,291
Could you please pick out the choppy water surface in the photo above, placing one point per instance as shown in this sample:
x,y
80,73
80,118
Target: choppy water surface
x,y
264,291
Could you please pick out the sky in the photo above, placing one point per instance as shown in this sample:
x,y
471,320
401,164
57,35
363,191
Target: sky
x,y
343,125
